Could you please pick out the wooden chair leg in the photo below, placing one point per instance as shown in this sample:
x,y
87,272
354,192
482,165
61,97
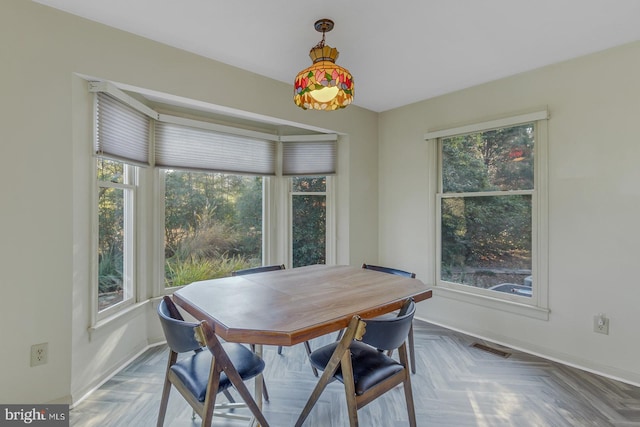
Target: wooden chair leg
x,y
355,329
229,396
242,389
265,392
325,379
408,396
279,349
307,347
223,363
166,389
212,393
412,353
408,392
349,388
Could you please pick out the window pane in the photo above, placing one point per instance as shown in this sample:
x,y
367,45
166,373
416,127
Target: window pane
x,y
308,184
111,254
309,213
486,242
500,159
213,225
110,171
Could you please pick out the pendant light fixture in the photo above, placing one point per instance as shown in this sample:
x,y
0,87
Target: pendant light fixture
x,y
324,85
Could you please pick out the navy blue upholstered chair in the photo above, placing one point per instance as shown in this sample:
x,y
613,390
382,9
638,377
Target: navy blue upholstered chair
x,y
389,270
262,269
212,368
359,361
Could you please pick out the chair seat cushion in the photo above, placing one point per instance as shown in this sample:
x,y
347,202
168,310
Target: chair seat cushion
x,y
193,371
370,366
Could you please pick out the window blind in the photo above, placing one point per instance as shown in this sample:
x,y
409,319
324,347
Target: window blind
x,y
309,158
185,147
122,132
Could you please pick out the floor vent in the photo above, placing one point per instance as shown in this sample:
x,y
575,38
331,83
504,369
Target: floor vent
x,y
491,350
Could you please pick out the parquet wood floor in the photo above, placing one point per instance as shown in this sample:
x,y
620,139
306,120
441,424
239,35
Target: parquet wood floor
x,y
456,385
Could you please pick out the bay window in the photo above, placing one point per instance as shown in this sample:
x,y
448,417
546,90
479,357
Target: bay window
x,y
216,198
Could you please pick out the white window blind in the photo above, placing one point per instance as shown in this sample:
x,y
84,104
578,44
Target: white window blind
x,y
122,133
309,158
185,147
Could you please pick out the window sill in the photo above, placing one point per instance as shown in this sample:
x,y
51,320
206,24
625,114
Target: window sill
x,y
119,317
493,303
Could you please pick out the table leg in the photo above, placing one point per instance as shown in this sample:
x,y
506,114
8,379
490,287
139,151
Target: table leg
x,y
258,387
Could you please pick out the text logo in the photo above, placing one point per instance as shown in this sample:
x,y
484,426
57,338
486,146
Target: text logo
x,y
34,415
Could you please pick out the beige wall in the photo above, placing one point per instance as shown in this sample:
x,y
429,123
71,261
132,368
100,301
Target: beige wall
x,y
45,140
384,184
594,205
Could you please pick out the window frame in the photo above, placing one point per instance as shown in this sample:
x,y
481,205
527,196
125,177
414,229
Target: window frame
x,y
329,193
276,212
130,271
160,218
537,305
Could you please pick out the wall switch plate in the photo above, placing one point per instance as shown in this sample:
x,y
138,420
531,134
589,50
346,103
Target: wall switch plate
x,y
601,324
39,354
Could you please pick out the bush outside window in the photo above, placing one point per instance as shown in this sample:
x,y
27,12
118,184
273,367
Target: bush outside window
x,y
213,225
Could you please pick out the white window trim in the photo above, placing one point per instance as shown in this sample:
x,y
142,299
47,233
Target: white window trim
x,y
331,221
130,275
330,232
488,125
537,306
158,273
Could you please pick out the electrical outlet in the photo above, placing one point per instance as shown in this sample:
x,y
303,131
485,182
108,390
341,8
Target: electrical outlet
x,y
601,324
39,354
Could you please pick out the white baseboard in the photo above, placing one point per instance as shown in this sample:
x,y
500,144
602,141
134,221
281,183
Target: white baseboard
x,y
86,391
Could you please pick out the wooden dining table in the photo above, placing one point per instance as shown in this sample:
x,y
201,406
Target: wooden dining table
x,y
287,307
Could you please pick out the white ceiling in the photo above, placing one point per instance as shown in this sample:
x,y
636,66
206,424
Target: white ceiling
x,y
398,52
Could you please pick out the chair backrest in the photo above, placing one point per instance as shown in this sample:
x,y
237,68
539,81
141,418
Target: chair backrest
x,y
389,270
261,269
179,333
388,333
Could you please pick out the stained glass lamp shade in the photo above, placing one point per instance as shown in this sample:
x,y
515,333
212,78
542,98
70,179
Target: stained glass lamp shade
x,y
324,85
